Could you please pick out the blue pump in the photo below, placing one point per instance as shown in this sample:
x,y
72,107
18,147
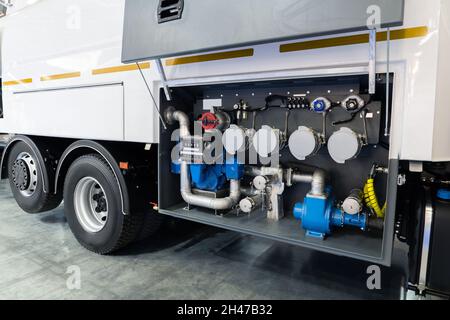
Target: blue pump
x,y
319,216
213,177
209,178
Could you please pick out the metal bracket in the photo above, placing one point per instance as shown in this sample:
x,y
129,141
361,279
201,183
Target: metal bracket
x,y
388,76
162,74
401,180
427,229
372,60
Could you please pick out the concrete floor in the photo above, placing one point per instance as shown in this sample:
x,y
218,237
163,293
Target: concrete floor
x,y
184,261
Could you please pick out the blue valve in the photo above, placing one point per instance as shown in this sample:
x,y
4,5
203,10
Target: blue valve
x,y
321,105
444,194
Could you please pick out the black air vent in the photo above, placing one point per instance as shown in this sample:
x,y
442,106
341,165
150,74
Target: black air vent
x,y
169,10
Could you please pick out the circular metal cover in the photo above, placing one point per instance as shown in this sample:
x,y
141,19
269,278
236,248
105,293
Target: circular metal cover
x,y
303,143
233,139
344,145
260,182
266,141
246,205
352,206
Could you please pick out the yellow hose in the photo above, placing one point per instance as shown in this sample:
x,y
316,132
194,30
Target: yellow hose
x,y
371,199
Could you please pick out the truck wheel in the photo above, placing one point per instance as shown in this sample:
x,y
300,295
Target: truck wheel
x,y
92,205
25,179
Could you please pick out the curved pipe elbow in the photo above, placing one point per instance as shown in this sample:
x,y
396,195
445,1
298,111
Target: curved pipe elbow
x,y
213,204
185,181
182,118
318,183
206,202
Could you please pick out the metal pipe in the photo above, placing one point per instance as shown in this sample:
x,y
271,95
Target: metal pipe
x,y
388,78
317,179
204,201
185,178
182,118
249,191
302,178
318,182
372,60
253,171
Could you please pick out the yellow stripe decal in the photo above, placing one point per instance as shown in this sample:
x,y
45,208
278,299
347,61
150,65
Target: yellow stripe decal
x,y
399,34
17,82
61,76
356,39
211,57
130,67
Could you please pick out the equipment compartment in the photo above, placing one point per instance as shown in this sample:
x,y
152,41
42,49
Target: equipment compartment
x,y
300,197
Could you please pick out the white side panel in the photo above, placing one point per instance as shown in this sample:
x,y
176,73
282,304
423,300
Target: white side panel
x,y
91,113
63,36
54,37
414,60
441,144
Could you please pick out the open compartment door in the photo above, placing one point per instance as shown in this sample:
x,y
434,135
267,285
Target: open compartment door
x,y
166,28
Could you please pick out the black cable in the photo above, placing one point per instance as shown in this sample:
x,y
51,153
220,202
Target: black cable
x,y
337,123
353,114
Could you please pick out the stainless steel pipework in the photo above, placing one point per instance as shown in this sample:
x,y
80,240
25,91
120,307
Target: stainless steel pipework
x,y
226,203
316,179
204,201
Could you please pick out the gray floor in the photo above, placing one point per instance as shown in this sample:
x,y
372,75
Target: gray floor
x,y
184,261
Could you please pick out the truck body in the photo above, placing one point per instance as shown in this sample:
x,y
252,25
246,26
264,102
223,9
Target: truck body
x,y
93,90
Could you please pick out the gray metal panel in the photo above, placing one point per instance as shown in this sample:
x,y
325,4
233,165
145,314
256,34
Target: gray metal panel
x,y
350,244
219,24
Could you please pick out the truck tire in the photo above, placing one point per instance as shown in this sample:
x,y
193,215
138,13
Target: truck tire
x,y
26,180
92,205
152,222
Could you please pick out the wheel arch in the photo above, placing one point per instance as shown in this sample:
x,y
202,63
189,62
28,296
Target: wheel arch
x,y
28,141
83,147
